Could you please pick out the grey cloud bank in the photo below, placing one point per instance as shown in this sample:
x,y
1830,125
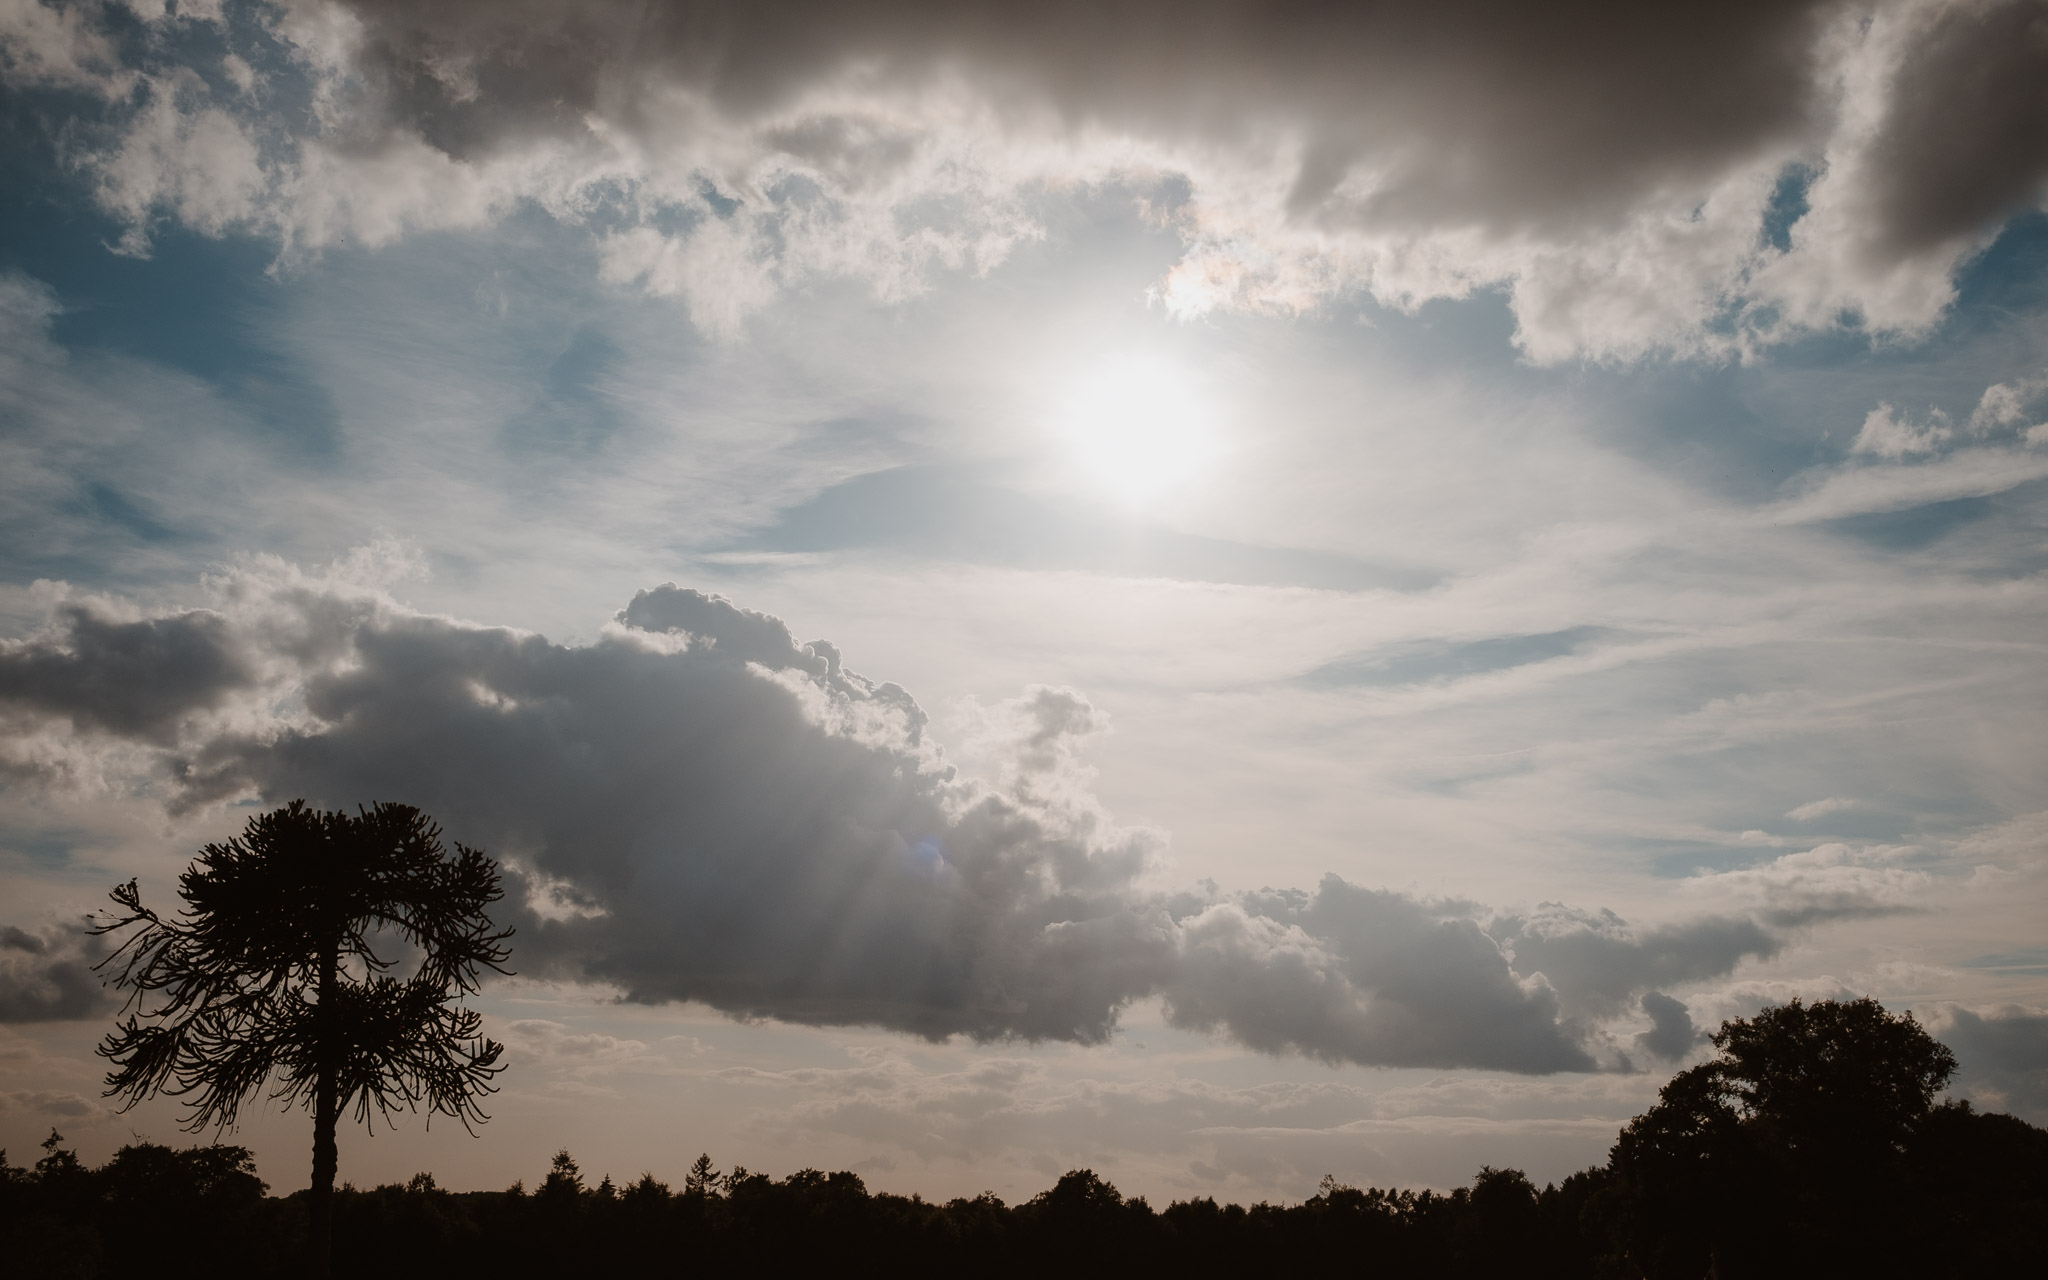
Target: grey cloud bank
x,y
698,807
1501,114
1699,178
137,678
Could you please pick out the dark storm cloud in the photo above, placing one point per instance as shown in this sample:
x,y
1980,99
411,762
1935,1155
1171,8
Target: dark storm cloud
x,y
699,807
1964,141
1634,176
47,976
771,849
1489,112
139,679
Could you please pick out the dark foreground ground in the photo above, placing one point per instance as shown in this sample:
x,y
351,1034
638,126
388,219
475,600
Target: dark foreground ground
x,y
1970,1199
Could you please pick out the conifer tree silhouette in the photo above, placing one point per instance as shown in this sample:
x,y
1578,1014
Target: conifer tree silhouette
x,y
277,970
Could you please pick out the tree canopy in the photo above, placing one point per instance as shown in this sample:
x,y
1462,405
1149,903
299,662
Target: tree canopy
x,y
282,966
1791,1146
1832,1069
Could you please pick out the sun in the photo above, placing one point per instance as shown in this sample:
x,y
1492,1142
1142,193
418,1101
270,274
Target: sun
x,y
1139,427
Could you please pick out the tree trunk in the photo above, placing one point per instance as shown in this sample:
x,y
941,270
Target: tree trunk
x,y
320,1241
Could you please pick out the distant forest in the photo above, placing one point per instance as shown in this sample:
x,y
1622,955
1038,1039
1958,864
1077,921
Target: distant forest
x,y
1812,1145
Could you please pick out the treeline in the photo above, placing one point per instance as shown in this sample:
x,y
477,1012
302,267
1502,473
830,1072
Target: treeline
x,y
154,1211
1810,1146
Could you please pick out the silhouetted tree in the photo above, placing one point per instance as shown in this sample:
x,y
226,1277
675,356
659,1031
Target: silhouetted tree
x,y
1787,1153
703,1178
1083,1221
564,1183
1504,1226
1981,1203
278,970
1841,1076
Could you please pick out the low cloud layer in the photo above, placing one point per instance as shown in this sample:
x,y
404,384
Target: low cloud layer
x,y
699,807
1698,178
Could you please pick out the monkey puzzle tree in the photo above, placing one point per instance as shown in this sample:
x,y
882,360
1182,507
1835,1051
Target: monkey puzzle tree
x,y
279,969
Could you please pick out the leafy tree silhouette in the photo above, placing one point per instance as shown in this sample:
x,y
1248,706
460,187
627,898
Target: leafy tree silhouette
x,y
1789,1150
1841,1076
278,970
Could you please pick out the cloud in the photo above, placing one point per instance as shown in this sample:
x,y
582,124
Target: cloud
x,y
758,828
53,1104
1964,135
1599,962
1628,175
696,806
1832,881
184,158
1520,138
1976,472
26,308
1888,435
138,678
1899,461
1819,808
1744,999
1671,1035
2019,841
46,976
572,1057
57,46
2005,404
2001,1056
1354,975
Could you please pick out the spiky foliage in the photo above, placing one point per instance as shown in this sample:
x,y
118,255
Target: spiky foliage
x,y
280,968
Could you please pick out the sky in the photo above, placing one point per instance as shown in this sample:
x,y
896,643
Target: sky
x,y
1220,592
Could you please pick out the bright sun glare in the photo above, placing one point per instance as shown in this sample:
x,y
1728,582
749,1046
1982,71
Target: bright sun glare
x,y
1139,427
